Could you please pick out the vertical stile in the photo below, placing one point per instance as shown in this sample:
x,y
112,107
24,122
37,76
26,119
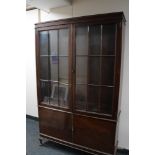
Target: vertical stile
x,y
100,75
73,68
49,69
88,35
72,76
58,66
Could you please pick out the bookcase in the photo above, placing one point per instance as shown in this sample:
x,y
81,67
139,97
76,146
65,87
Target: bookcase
x,y
78,64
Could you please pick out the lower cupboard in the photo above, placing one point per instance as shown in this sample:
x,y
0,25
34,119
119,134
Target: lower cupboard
x,y
82,132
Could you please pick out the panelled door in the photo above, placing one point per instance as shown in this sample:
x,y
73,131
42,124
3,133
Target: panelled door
x,y
95,53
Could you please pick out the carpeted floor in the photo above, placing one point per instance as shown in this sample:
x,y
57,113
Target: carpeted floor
x,y
33,146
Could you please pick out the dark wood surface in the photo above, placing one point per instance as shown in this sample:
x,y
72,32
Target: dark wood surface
x,y
55,123
117,68
87,130
109,17
94,133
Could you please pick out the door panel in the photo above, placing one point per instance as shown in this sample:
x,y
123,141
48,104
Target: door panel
x,y
54,67
94,133
95,63
55,123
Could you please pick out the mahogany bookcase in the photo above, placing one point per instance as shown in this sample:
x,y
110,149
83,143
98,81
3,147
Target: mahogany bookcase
x,y
78,64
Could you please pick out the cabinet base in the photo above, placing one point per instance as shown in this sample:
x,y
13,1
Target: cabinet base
x,y
75,146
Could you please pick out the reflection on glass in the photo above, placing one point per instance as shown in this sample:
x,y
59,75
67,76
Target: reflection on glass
x,y
82,40
81,97
59,95
106,100
107,69
95,62
44,92
44,43
54,68
63,42
44,67
93,99
81,70
95,39
63,69
54,94
63,95
53,39
94,70
108,39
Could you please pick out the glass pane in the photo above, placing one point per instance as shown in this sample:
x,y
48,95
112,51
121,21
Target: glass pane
x,y
95,40
63,69
54,94
63,95
54,68
106,100
53,36
93,98
107,69
82,40
81,70
44,43
44,67
63,42
81,97
44,92
94,70
108,39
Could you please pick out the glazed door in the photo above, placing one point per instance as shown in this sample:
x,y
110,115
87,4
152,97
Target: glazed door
x,y
95,62
55,82
94,86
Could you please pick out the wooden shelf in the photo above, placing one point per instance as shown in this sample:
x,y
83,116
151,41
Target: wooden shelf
x,y
96,55
64,83
53,55
95,85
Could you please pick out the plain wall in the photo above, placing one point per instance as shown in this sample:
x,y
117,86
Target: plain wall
x,y
82,8
31,94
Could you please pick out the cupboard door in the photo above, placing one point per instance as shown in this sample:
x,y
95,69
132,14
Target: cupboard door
x,y
94,133
55,123
54,67
95,63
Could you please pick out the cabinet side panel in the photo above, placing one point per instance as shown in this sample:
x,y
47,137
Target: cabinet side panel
x,y
121,77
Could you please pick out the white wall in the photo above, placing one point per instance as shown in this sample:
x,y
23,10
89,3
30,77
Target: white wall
x,y
81,8
31,95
